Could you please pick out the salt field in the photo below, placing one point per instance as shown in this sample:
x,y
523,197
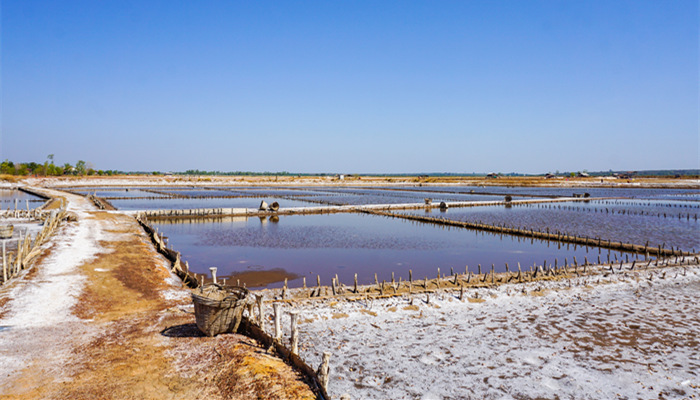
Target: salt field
x,y
348,244
169,203
629,221
633,193
264,251
630,338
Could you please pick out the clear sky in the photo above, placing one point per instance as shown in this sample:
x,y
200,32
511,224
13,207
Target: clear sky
x,y
352,86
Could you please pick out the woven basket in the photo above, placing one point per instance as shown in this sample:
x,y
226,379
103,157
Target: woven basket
x,y
6,231
218,309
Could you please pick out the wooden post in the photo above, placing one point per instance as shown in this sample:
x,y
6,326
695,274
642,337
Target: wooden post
x,y
295,331
324,370
4,263
213,274
259,302
304,280
333,286
355,283
278,318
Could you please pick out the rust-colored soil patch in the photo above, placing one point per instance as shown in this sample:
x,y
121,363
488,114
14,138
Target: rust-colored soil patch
x,y
260,278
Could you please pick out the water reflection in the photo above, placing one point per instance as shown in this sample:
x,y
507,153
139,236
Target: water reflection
x,y
11,197
345,244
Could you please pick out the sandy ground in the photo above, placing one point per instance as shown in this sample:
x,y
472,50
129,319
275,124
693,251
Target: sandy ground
x,y
100,316
626,337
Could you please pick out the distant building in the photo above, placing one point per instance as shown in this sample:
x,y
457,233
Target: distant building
x,y
492,175
583,175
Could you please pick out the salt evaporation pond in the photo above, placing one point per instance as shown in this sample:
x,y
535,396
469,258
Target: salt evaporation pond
x,y
348,244
201,202
638,193
603,219
108,194
8,197
201,192
360,196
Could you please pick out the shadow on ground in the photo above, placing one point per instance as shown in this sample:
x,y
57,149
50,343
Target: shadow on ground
x,y
184,330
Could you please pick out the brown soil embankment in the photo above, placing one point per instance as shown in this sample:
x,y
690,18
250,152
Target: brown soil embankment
x,y
130,333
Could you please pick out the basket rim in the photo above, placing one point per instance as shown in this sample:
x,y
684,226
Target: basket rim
x,y
241,293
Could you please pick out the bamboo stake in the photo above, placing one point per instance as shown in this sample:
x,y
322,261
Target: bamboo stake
x,y
295,331
278,317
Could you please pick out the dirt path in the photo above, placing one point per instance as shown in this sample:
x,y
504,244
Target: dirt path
x,y
100,316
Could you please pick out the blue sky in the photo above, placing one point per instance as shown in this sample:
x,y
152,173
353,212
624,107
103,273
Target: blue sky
x,y
352,86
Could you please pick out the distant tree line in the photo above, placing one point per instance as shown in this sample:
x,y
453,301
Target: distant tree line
x,y
48,168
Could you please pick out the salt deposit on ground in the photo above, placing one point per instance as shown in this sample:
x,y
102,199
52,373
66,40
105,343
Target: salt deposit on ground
x,y
40,313
626,338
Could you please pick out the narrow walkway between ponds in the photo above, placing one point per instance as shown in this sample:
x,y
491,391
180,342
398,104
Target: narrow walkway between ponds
x,y
99,315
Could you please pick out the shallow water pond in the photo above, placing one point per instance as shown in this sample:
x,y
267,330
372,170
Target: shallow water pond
x,y
639,193
622,221
10,197
202,202
345,244
109,194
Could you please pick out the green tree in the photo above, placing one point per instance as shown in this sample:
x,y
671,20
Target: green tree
x,y
7,167
49,166
80,167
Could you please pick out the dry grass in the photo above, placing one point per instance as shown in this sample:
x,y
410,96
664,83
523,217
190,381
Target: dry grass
x,y
257,376
11,178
